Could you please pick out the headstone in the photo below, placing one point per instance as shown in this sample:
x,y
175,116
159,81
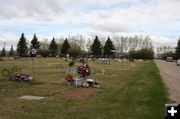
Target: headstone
x,y
78,81
66,59
120,60
81,60
104,61
89,59
115,59
67,55
59,66
93,59
28,97
39,56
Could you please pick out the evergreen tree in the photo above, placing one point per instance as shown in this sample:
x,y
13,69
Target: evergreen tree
x,y
108,48
11,52
22,46
53,47
178,49
35,43
65,47
3,52
96,47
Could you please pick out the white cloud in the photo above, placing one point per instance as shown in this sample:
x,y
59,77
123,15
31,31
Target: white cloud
x,y
111,27
8,40
29,8
160,18
164,41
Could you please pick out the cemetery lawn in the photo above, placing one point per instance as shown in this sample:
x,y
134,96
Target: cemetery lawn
x,y
128,91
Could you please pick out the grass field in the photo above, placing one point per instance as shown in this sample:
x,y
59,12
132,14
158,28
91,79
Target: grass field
x,y
128,91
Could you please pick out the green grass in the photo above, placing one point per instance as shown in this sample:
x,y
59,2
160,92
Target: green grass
x,y
128,91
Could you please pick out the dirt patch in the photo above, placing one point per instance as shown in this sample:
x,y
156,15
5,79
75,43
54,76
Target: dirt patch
x,y
78,94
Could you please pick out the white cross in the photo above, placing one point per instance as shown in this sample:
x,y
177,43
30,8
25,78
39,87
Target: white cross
x,y
103,71
172,111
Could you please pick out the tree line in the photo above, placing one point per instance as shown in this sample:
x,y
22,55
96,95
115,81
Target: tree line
x,y
73,47
136,47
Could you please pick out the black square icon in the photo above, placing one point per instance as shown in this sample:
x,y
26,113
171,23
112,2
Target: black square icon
x,y
172,111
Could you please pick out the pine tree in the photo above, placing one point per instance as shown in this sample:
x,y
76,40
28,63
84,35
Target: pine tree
x,y
35,43
108,48
65,47
3,52
178,49
22,46
11,52
96,47
53,47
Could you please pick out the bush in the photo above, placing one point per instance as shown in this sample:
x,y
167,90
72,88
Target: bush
x,y
74,52
43,52
7,72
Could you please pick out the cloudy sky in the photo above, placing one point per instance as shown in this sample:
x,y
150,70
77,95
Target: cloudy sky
x,y
160,19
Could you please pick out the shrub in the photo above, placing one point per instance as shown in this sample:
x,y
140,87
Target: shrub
x,y
74,52
8,72
43,52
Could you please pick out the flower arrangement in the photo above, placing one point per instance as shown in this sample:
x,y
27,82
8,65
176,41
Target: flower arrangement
x,y
69,73
81,78
14,73
84,70
21,77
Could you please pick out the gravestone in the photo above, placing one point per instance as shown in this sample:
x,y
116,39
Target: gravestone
x,y
120,60
104,62
59,66
28,97
66,59
81,60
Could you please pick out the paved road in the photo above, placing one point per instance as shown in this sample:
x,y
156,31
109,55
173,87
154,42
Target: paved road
x,y
170,74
